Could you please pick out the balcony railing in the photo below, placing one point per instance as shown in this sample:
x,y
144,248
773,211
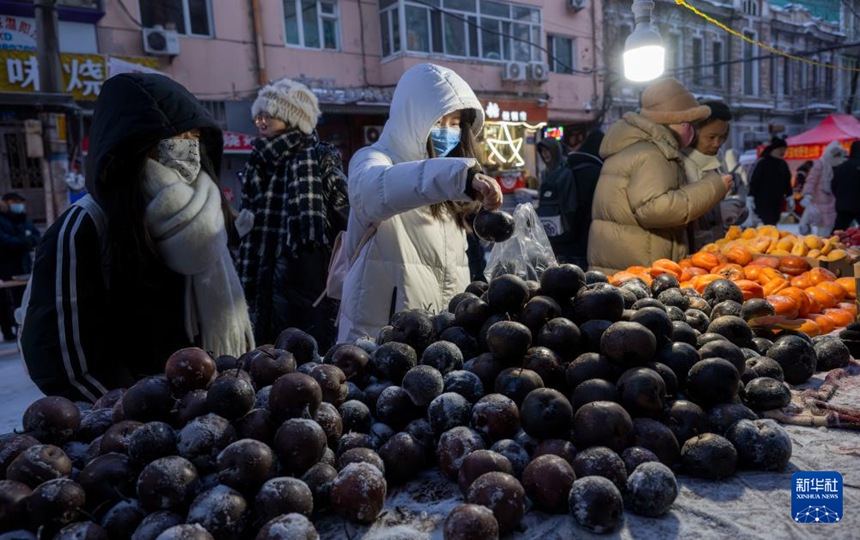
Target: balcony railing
x,y
85,11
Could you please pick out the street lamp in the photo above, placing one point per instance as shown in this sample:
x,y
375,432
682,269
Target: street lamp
x,y
644,54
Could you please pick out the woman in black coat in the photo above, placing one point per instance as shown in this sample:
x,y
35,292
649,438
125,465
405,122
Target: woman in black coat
x,y
771,182
846,189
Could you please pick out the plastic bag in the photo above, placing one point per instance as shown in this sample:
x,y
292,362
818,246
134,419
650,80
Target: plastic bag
x,y
811,216
527,253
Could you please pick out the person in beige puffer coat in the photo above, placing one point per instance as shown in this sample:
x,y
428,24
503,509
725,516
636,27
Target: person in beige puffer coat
x,y
643,203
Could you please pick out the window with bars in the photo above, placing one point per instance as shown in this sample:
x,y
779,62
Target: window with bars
x,y
189,17
717,62
483,29
312,24
698,59
751,67
562,53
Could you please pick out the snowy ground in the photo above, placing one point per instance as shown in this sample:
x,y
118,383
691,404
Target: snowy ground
x,y
17,392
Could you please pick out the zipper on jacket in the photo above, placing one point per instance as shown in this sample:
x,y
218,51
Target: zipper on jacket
x,y
393,303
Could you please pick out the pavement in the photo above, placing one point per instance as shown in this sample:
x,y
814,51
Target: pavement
x,y
17,391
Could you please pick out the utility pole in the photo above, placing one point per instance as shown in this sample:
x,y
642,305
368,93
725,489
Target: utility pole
x,y
51,81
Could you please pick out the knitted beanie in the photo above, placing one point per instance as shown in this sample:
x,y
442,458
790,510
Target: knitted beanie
x,y
289,101
667,101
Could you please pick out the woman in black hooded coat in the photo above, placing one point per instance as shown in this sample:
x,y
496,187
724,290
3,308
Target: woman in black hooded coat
x,y
770,183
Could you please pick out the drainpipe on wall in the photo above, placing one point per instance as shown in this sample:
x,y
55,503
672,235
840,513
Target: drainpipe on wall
x,y
256,15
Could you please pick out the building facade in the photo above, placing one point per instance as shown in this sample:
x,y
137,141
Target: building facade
x,y
768,93
532,63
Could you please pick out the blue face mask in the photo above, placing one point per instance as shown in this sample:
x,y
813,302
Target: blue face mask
x,y
444,139
16,208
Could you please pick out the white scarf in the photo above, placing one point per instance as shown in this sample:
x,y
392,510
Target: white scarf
x,y
186,222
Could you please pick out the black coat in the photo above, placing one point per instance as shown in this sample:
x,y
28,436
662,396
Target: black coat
x,y
18,236
846,186
770,184
90,324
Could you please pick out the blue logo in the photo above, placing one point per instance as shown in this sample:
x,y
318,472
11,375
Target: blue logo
x,y
816,497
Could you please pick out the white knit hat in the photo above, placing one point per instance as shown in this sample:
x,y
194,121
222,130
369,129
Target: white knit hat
x,y
289,101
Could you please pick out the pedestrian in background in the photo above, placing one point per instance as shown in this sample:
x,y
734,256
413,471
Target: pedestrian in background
x,y
643,203
18,237
770,182
294,202
139,267
820,191
557,199
846,189
701,159
417,185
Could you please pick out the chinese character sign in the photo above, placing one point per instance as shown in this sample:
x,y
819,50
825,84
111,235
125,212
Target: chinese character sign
x,y
816,497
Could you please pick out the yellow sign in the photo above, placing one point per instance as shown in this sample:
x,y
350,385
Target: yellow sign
x,y
83,74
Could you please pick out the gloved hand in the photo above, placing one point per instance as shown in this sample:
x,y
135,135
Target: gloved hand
x,y
805,201
733,211
245,222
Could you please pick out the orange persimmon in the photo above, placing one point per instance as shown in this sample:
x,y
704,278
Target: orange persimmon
x,y
793,265
850,307
814,306
774,286
768,274
770,262
825,299
705,259
818,274
783,305
801,281
825,323
665,266
810,328
850,286
701,282
840,317
750,289
730,271
739,255
837,290
799,296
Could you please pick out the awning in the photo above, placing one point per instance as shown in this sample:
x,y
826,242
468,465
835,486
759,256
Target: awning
x,y
810,144
45,100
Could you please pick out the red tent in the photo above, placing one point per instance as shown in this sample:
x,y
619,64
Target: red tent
x,y
810,144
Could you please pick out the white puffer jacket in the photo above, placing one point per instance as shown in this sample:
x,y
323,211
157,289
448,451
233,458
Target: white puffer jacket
x,y
414,260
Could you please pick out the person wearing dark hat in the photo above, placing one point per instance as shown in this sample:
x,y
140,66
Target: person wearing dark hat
x,y
770,182
139,267
294,203
18,237
643,203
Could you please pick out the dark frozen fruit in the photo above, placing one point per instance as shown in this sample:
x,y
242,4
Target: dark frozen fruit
x,y
189,369
503,495
516,383
601,461
55,502
453,447
509,341
685,419
288,527
602,423
713,381
831,353
38,464
444,356
356,416
763,366
720,290
303,345
283,495
185,531
413,327
156,523
294,395
203,438
151,441
562,281
167,483
546,414
596,504
221,510
471,522
762,445
13,504
332,381
538,311
493,226
354,439
547,481
593,390
562,336
358,492
656,320
230,397
796,356
422,384
588,366
651,489
765,393
635,456
245,465
148,399
257,424
266,363
360,455
725,350
192,405
447,411
330,420
642,392
107,478
556,447
478,463
298,445
600,301
392,360
723,415
403,457
11,446
52,419
82,530
548,365
121,519
116,438
628,344
709,456
465,383
658,438
318,479
516,454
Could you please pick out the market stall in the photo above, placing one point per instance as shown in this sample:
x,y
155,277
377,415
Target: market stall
x,y
844,128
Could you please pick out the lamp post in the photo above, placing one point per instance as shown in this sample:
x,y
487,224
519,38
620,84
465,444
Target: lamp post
x,y
644,54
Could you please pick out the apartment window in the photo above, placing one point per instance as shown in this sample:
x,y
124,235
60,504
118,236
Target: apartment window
x,y
751,7
815,90
311,23
751,67
786,77
562,54
717,63
461,28
189,17
698,60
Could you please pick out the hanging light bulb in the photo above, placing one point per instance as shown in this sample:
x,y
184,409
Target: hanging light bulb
x,y
644,54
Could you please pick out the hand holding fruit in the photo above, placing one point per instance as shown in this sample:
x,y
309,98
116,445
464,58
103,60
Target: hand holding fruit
x,y
487,191
728,180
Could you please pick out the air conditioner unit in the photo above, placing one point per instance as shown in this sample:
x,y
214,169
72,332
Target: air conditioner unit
x,y
157,40
514,71
538,71
371,134
576,5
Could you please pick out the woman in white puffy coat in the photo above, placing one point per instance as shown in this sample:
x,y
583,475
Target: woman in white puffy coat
x,y
417,185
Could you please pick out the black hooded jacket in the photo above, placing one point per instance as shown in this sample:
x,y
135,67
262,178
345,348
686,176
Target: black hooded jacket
x,y
101,313
846,182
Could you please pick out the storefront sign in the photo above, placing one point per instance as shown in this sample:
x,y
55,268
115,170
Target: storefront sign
x,y
554,132
529,112
809,151
83,74
17,33
238,143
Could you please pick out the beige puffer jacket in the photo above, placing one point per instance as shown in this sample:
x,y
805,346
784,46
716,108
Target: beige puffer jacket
x,y
643,202
414,260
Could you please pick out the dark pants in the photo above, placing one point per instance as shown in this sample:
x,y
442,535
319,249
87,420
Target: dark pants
x,y
10,299
844,219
